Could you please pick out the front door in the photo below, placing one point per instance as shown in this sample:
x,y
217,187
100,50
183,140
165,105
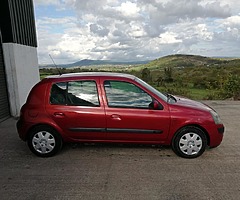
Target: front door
x,y
129,116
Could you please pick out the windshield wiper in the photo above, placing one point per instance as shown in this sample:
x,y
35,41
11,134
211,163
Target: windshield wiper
x,y
170,97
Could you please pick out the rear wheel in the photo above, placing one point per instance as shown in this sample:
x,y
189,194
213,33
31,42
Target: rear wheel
x,y
44,141
189,142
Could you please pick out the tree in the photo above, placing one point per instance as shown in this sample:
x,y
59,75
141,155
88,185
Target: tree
x,y
232,86
146,75
168,73
159,81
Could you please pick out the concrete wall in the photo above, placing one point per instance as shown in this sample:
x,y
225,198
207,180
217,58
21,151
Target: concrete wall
x,y
22,73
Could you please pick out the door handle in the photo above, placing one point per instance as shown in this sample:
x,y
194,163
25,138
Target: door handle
x,y
116,117
59,114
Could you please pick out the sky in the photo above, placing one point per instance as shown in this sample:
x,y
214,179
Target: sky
x,y
135,30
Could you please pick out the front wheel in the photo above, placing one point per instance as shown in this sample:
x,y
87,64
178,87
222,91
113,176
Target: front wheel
x,y
44,141
189,142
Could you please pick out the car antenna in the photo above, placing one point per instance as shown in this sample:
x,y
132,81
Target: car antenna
x,y
55,65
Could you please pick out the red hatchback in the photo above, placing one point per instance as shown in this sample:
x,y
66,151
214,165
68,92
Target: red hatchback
x,y
113,107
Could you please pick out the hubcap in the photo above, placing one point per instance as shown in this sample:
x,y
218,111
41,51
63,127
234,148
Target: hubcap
x,y
190,143
43,142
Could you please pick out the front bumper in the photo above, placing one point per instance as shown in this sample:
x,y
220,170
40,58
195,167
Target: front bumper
x,y
221,129
215,133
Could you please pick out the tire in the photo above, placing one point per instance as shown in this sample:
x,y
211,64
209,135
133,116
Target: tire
x,y
44,141
189,142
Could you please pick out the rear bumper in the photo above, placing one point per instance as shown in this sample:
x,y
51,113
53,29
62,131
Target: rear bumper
x,y
22,129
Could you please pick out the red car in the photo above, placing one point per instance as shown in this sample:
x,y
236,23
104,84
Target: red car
x,y
113,107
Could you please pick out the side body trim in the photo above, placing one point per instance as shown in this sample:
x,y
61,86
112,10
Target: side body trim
x,y
117,130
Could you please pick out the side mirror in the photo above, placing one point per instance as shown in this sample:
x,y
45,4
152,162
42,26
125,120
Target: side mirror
x,y
155,105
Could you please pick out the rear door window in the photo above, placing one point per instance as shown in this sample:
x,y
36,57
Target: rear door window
x,y
83,93
77,93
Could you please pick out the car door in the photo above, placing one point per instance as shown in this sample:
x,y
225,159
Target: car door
x,y
76,108
128,115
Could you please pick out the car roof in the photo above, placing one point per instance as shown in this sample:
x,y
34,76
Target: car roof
x,y
90,74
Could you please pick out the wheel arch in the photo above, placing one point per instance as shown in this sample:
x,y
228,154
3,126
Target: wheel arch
x,y
195,126
42,124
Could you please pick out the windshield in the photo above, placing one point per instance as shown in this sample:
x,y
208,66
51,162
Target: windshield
x,y
152,89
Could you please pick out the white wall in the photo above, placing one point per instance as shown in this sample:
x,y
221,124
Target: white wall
x,y
22,73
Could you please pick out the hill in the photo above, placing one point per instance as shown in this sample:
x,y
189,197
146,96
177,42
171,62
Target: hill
x,y
183,61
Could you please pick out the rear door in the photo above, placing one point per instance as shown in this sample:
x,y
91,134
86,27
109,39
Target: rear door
x,y
76,107
128,115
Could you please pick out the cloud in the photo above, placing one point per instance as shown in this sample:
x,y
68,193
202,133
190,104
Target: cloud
x,y
99,30
128,9
46,2
137,29
233,21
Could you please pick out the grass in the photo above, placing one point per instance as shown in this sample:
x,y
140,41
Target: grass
x,y
192,93
200,93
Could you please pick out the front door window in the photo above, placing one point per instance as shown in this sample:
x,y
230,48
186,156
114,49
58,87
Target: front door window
x,y
126,95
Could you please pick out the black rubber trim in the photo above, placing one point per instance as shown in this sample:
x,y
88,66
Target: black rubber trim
x,y
87,129
117,130
143,131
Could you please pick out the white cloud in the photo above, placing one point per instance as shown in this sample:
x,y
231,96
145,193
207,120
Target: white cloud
x,y
128,9
203,32
169,38
137,29
46,2
233,21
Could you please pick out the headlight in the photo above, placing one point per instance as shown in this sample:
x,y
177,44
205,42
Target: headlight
x,y
215,117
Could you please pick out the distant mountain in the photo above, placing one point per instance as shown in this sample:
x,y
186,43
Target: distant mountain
x,y
87,62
